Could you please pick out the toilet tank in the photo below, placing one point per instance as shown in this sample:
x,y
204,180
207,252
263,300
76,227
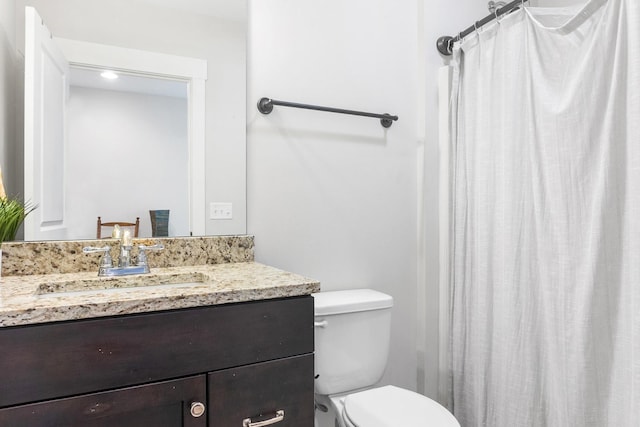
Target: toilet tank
x,y
352,333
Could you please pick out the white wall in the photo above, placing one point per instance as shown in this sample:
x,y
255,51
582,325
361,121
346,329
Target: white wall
x,y
10,146
331,196
137,141
222,43
336,197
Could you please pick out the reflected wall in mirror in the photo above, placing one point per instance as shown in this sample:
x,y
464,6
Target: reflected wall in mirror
x,y
156,143
132,129
211,30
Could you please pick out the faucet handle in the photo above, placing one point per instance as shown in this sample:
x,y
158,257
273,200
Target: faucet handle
x,y
92,249
142,254
156,247
105,261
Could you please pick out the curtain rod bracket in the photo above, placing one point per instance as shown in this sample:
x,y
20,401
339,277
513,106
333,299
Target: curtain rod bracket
x,y
444,45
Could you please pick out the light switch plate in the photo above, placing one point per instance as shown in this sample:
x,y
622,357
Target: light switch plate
x,y
221,211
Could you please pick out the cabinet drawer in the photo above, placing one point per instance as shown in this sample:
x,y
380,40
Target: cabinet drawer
x,y
259,391
165,404
62,359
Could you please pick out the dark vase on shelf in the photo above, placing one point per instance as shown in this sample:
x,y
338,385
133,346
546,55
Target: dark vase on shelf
x,y
159,223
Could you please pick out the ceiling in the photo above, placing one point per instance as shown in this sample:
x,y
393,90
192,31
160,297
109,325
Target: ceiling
x,y
91,78
234,10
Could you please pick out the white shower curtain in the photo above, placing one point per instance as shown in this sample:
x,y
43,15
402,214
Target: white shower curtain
x,y
545,245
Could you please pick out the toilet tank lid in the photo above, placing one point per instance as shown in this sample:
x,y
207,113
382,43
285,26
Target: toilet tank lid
x,y
350,301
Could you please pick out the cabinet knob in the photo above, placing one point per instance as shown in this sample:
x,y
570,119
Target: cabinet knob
x,y
197,409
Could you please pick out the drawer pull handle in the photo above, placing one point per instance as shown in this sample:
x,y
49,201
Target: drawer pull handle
x,y
197,409
321,324
279,417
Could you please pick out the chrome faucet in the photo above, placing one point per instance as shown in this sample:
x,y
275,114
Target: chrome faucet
x,y
124,267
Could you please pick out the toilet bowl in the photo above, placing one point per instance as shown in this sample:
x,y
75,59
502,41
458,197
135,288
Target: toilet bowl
x,y
390,406
352,332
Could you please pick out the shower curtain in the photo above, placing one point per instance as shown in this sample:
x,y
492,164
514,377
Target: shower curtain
x,y
545,234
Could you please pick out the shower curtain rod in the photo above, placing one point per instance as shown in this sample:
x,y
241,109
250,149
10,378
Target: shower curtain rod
x,y
445,43
265,106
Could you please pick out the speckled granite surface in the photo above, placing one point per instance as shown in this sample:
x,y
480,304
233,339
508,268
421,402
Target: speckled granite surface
x,y
28,258
55,297
54,281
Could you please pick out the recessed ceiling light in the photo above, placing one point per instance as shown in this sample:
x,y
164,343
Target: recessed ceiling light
x,y
109,75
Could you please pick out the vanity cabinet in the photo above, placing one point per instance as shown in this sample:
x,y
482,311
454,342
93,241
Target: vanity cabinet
x,y
164,404
208,366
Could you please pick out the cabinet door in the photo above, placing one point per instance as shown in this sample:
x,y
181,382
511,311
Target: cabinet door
x,y
263,391
164,404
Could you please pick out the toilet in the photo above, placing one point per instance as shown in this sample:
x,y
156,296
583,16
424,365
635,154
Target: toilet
x,y
352,336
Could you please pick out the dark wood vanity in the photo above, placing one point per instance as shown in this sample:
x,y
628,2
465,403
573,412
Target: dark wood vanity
x,y
220,366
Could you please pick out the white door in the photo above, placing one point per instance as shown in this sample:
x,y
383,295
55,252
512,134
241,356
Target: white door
x,y
46,90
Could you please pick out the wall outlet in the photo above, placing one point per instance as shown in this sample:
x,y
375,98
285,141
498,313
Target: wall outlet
x,y
220,210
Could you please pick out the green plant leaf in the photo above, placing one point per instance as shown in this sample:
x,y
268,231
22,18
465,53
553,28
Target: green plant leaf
x,y
12,214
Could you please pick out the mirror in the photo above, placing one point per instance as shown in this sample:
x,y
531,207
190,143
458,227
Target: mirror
x,y
214,31
133,129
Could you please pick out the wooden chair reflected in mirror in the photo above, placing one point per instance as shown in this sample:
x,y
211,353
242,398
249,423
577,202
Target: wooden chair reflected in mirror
x,y
121,224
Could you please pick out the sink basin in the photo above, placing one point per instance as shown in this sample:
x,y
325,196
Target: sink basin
x,y
122,282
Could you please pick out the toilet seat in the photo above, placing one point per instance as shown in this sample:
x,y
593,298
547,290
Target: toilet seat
x,y
391,406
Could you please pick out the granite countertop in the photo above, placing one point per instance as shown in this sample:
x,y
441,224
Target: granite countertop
x,y
44,298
